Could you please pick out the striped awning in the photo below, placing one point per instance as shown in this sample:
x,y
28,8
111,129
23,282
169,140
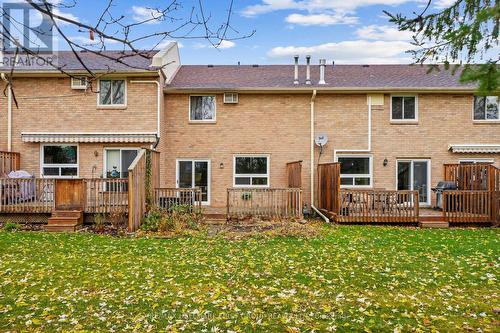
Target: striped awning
x,y
89,137
480,148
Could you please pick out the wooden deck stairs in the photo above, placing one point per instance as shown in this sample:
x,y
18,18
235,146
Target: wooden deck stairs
x,y
432,221
65,221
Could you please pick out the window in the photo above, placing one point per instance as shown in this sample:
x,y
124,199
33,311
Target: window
x,y
404,108
112,92
355,170
202,108
118,160
486,108
251,171
59,161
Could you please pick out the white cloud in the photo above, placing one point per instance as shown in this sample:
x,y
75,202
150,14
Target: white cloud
x,y
350,52
383,32
443,3
65,15
321,19
224,44
147,14
267,6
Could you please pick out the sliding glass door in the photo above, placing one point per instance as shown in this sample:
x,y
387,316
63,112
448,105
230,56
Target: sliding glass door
x,y
415,175
195,173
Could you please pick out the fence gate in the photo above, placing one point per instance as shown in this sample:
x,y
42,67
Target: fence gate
x,y
329,188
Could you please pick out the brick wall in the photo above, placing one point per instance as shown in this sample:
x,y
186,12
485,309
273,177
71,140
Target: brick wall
x,y
50,105
278,124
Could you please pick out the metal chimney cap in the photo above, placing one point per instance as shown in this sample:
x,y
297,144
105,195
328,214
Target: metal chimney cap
x,y
296,57
308,56
322,61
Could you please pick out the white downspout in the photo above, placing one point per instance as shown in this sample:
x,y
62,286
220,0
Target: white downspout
x,y
369,149
313,98
9,112
9,119
158,102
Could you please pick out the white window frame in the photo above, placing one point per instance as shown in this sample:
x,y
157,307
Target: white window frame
x,y
209,175
43,165
112,105
361,175
483,120
203,120
252,175
477,160
105,160
429,176
415,120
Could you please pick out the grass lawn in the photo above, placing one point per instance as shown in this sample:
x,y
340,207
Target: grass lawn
x,y
353,278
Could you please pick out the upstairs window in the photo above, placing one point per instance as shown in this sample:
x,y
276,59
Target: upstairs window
x,y
251,171
60,161
355,170
486,108
404,108
202,108
112,92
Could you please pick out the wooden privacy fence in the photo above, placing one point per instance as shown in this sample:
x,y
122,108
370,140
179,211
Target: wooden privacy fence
x,y
473,177
477,198
264,203
371,206
167,198
143,178
329,188
294,174
9,161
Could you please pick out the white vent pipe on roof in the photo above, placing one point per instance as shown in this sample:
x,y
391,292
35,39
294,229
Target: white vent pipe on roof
x,y
322,65
296,75
308,69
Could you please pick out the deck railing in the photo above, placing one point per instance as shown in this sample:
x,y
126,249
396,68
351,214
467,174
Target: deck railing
x,y
166,198
9,161
371,206
28,195
264,203
468,206
106,196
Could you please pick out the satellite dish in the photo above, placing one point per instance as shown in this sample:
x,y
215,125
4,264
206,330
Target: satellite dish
x,y
321,140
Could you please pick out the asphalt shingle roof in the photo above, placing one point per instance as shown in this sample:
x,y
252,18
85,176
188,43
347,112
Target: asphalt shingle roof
x,y
338,76
69,62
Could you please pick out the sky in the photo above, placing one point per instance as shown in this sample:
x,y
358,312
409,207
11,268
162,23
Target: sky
x,y
344,31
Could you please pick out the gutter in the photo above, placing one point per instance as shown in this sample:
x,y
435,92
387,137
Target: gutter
x,y
158,102
326,219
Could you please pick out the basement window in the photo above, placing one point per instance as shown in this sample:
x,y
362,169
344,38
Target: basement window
x,y
486,108
59,161
355,170
201,108
251,171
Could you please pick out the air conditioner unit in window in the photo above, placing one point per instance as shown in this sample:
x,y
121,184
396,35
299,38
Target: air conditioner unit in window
x,y
79,82
230,98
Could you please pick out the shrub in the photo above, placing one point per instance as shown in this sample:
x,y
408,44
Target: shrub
x,y
99,220
11,226
175,219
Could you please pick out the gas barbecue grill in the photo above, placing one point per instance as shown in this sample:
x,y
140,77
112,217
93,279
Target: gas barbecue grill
x,y
440,188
